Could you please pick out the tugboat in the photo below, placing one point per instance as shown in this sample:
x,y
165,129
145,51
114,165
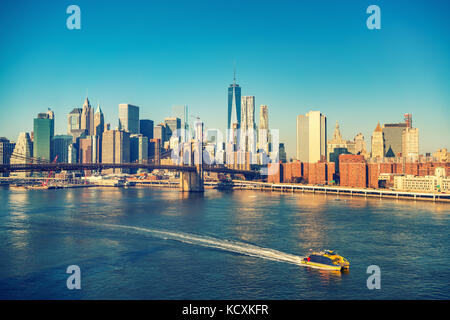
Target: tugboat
x,y
327,260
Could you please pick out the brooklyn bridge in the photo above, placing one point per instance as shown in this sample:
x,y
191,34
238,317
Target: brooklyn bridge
x,y
191,176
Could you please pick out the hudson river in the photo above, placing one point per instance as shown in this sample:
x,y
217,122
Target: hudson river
x,y
142,243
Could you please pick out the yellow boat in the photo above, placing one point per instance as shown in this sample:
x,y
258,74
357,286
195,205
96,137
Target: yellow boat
x,y
327,260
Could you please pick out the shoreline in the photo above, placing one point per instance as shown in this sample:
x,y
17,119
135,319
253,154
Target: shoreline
x,y
284,188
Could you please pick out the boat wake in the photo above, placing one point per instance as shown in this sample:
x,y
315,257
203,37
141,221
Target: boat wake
x,y
221,244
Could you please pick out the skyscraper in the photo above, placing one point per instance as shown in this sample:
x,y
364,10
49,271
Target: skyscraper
x,y
99,122
129,118
115,148
263,131
234,104
377,142
159,132
44,128
172,126
138,148
60,147
87,118
311,137
146,128
6,150
182,113
74,120
410,142
392,135
247,112
23,152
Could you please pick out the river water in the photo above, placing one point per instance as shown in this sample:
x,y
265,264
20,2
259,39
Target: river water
x,y
143,243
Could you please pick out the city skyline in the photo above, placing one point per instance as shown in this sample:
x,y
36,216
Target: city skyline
x,y
349,73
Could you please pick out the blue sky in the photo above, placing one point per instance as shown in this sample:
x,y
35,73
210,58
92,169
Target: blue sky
x,y
293,56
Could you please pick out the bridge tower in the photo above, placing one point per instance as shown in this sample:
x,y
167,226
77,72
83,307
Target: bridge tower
x,y
192,154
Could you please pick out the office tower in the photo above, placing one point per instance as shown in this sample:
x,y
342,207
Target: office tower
x,y
23,153
85,150
146,128
392,135
234,104
74,120
182,113
116,148
87,118
338,145
408,119
311,137
247,113
247,133
138,148
282,153
410,142
99,122
44,128
129,118
360,144
6,150
173,125
72,153
60,147
377,142
159,132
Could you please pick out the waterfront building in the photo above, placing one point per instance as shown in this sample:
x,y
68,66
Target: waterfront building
x,y
60,147
129,118
87,118
44,128
22,154
377,142
74,120
116,148
352,171
311,137
234,104
432,183
6,150
146,128
392,135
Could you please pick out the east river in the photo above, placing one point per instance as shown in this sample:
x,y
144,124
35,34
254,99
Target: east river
x,y
143,243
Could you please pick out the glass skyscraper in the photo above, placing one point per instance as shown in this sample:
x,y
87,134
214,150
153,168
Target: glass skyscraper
x,y
44,129
234,105
129,118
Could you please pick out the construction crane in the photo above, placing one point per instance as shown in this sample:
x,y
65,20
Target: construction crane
x,y
49,174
